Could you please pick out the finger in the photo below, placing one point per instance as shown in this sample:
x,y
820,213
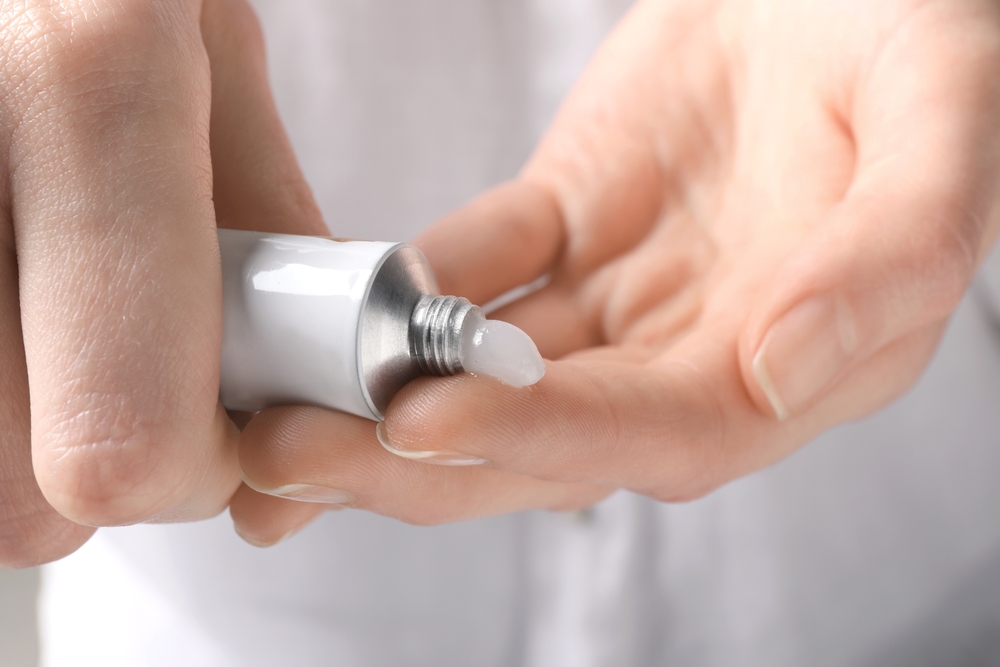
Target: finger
x,y
327,457
119,274
607,168
657,428
647,296
674,427
265,520
31,532
258,184
508,237
897,254
646,120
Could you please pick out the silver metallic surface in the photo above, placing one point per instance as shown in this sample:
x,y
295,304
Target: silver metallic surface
x,y
436,333
385,356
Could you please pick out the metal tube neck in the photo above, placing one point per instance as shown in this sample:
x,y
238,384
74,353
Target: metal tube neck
x,y
436,333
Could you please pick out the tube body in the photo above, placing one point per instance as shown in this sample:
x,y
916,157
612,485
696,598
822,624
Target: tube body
x,y
293,310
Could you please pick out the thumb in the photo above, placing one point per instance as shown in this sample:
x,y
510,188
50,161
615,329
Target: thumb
x,y
894,258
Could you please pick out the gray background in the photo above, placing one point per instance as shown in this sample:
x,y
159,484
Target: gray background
x,y
18,639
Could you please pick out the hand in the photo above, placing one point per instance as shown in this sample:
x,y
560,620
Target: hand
x,y
118,115
757,218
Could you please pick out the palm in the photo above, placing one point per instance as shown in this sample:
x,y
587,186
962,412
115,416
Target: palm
x,y
717,164
688,175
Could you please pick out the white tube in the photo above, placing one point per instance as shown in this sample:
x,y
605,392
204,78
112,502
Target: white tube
x,y
292,308
346,324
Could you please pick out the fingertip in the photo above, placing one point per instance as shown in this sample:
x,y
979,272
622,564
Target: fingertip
x,y
264,521
505,238
804,353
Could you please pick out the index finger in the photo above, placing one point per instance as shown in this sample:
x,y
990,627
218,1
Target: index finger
x,y
507,237
119,275
659,428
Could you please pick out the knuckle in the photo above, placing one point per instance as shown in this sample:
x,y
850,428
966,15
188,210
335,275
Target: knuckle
x,y
101,467
89,52
28,35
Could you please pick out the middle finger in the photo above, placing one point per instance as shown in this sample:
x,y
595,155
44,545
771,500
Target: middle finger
x,y
313,454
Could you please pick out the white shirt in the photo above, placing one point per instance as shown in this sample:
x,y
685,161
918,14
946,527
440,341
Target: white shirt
x,y
878,544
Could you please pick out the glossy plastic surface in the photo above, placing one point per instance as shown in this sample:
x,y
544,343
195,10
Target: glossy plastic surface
x,y
292,307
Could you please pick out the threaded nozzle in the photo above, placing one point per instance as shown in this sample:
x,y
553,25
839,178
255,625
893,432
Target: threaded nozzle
x,y
436,333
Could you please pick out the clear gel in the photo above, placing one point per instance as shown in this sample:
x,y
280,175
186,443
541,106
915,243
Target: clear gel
x,y
499,349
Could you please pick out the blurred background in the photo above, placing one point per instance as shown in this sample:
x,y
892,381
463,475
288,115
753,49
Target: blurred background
x,y
18,638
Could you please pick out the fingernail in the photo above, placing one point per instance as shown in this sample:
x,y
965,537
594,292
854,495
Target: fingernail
x,y
441,458
802,352
310,493
307,493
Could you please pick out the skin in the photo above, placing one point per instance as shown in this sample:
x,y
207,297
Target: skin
x,y
123,122
809,186
719,164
